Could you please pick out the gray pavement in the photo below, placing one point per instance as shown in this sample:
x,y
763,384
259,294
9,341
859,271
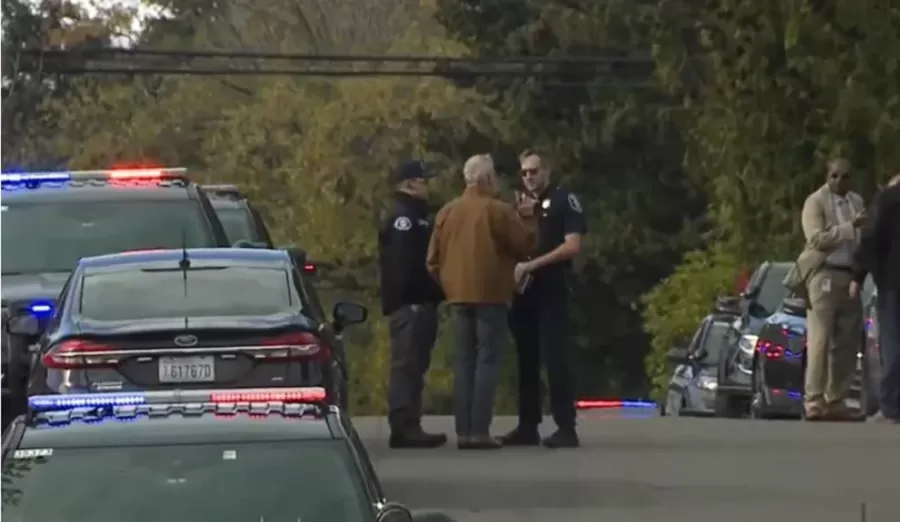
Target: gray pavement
x,y
645,468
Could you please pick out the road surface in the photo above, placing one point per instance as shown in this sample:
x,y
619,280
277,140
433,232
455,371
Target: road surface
x,y
646,469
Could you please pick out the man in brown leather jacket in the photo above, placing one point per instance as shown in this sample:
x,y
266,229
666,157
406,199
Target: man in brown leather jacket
x,y
476,244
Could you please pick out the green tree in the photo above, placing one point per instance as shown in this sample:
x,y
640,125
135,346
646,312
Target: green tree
x,y
616,146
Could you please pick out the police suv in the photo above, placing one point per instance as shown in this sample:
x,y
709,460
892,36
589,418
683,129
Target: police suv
x,y
267,455
52,219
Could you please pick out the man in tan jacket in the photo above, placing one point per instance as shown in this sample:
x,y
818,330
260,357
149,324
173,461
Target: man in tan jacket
x,y
476,243
831,218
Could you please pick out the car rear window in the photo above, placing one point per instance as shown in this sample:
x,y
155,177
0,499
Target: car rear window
x,y
309,481
197,292
772,290
52,237
238,224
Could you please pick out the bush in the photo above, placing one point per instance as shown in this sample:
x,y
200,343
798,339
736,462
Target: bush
x,y
674,307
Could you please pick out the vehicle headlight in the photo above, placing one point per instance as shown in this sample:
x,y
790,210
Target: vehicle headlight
x,y
706,382
748,343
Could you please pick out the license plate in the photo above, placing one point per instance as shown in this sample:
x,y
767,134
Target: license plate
x,y
187,369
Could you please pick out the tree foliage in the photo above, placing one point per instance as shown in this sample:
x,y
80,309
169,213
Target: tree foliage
x,y
685,176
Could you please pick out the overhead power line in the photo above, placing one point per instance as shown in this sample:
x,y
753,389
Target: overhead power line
x,y
579,70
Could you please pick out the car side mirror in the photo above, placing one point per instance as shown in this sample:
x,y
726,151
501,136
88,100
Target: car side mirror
x,y
392,512
677,355
346,313
24,325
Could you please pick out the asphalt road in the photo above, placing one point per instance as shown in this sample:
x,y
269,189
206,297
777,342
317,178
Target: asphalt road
x,y
650,469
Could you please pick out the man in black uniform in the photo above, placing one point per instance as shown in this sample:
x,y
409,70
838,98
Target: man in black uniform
x,y
409,297
539,318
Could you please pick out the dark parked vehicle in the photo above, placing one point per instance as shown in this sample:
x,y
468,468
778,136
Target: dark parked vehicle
x,y
759,300
779,362
870,357
51,219
242,222
187,319
188,454
692,388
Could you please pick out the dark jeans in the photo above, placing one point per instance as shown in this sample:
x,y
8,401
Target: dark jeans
x,y
480,335
413,329
889,344
539,320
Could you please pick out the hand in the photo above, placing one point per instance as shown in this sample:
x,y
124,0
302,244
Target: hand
x,y
860,219
522,269
854,290
525,205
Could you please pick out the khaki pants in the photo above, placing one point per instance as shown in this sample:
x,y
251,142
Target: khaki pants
x,y
834,334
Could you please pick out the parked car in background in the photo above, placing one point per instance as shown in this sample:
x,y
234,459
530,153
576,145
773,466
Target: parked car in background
x,y
869,361
779,364
760,299
692,388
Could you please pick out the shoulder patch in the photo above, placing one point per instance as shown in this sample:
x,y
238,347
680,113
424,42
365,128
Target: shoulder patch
x,y
402,223
574,204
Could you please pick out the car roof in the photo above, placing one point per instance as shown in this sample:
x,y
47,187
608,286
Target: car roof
x,y
93,190
235,256
176,429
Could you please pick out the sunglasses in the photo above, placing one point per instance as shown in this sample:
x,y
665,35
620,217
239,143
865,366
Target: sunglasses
x,y
529,172
840,175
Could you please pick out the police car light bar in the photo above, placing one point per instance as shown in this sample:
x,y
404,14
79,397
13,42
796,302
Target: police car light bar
x,y
310,395
111,174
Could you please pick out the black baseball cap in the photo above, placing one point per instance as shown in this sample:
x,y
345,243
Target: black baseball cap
x,y
412,169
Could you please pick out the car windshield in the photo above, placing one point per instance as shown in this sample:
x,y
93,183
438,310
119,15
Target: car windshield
x,y
51,237
238,224
772,290
129,294
312,481
715,344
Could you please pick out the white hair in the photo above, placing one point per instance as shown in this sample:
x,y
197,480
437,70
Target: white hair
x,y
478,168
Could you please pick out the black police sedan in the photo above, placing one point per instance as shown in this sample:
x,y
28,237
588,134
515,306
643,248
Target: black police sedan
x,y
51,219
692,387
186,319
260,455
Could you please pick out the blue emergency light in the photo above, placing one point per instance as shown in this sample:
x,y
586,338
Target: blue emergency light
x,y
48,403
41,308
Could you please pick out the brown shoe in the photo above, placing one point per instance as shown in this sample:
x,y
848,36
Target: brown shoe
x,y
814,412
839,412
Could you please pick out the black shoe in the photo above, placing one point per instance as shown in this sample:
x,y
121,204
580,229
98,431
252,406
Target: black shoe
x,y
562,439
416,438
478,443
522,437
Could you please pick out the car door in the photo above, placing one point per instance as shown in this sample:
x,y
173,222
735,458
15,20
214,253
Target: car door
x,y
684,372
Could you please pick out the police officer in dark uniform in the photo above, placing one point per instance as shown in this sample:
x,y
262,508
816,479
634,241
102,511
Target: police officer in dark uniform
x,y
409,298
539,317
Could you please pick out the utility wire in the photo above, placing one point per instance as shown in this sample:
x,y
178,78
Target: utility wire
x,y
256,55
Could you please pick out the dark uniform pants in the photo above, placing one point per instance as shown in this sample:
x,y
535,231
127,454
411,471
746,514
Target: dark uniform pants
x,y
539,321
413,330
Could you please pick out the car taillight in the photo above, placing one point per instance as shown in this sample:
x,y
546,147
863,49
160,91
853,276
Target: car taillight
x,y
77,353
292,347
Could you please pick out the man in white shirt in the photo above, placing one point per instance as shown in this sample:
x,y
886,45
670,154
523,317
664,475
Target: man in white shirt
x,y
831,219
